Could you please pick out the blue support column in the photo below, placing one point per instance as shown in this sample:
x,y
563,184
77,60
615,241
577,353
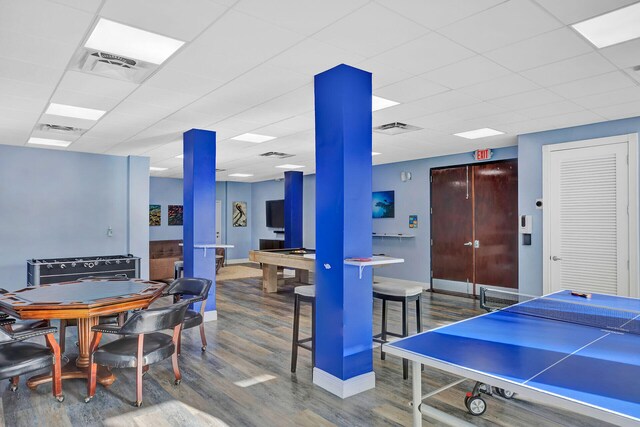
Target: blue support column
x,y
344,360
199,226
292,209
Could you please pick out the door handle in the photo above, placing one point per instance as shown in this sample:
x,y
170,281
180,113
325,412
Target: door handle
x,y
556,258
469,244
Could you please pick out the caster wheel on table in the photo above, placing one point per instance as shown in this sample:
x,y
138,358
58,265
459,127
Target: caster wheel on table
x,y
476,405
203,348
60,398
177,382
13,388
137,404
507,394
88,399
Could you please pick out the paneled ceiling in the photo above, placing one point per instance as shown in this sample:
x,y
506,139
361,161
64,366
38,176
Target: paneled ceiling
x,y
247,67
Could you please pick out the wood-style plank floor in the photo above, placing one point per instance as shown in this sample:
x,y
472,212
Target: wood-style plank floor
x,y
244,379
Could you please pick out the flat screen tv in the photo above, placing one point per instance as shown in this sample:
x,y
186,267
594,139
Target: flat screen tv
x,y
275,213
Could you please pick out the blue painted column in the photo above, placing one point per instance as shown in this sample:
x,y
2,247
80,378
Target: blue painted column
x,y
293,209
199,226
344,361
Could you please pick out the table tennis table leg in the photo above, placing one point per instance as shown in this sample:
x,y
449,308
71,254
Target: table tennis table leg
x,y
416,372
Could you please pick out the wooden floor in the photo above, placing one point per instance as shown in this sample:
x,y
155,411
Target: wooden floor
x,y
244,379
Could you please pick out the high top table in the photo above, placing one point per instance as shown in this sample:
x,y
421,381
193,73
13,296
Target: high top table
x,y
85,301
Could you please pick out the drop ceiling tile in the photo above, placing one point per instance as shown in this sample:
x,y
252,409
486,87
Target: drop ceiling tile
x,y
267,81
45,19
14,136
29,73
568,70
609,98
25,90
311,57
466,72
16,119
608,82
540,50
96,85
172,79
445,101
498,26
215,55
572,11
547,110
509,84
87,144
619,111
298,123
424,54
403,113
624,55
162,97
410,90
302,16
81,99
150,111
289,105
35,50
90,6
529,99
192,118
435,14
361,32
20,103
382,74
174,18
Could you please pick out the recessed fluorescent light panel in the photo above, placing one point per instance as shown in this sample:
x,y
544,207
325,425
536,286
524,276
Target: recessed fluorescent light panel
x,y
75,112
479,133
288,166
51,142
253,137
120,39
378,103
241,175
613,27
373,153
156,169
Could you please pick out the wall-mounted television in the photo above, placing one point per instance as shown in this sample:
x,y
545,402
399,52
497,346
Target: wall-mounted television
x,y
275,213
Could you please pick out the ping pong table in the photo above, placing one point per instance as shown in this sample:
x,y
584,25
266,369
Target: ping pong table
x,y
580,354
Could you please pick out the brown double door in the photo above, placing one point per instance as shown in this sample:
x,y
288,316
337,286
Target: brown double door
x,y
474,226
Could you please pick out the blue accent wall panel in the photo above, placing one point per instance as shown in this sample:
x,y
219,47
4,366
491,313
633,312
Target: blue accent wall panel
x,y
343,221
293,209
200,206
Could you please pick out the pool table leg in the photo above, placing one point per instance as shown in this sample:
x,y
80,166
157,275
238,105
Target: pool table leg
x,y
269,278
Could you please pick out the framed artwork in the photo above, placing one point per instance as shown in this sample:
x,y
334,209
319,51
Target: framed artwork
x,y
383,204
175,215
239,217
155,215
413,221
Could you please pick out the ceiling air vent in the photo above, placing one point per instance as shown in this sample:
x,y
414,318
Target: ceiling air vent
x,y
114,66
395,128
67,130
276,155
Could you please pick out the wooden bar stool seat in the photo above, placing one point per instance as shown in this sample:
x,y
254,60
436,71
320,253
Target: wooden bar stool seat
x,y
303,294
405,294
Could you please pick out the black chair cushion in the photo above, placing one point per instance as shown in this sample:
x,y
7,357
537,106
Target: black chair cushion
x,y
191,319
121,353
25,325
18,358
104,320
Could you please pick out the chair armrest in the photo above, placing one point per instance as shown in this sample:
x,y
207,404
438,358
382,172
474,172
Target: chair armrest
x,y
31,333
107,329
192,300
3,315
4,321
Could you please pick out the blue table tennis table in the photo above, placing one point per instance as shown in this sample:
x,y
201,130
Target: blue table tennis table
x,y
580,354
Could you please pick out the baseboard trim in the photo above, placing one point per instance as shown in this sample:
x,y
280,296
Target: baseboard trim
x,y
344,388
237,261
210,315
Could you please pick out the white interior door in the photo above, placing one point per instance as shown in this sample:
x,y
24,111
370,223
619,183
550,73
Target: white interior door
x,y
586,218
218,222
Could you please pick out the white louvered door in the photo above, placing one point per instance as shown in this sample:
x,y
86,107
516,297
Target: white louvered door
x,y
588,215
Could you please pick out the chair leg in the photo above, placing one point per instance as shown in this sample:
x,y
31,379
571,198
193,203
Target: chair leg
x,y
405,332
13,383
63,334
177,332
139,369
383,336
179,346
56,373
93,367
419,314
296,328
203,337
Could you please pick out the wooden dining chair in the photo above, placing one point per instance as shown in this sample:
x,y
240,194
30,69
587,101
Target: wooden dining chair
x,y
18,357
191,290
141,344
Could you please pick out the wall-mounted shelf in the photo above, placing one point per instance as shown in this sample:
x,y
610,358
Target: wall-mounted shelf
x,y
376,260
396,235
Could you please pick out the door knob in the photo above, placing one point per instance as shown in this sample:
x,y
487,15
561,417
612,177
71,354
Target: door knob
x,y
556,258
469,244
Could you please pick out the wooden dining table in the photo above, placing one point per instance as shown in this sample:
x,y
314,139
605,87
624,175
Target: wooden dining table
x,y
85,301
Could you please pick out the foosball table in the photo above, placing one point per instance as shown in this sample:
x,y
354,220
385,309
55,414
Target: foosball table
x,y
56,270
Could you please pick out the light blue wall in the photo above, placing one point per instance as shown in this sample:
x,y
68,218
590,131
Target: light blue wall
x,y
165,192
240,237
530,186
59,204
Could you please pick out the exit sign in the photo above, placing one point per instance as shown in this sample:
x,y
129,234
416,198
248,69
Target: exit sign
x,y
484,154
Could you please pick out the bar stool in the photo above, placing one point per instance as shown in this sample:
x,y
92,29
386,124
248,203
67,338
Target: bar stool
x,y
178,269
405,294
303,294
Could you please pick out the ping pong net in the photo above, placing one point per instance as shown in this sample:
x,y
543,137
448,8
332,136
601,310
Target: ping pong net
x,y
581,311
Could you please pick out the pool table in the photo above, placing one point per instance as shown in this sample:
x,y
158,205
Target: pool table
x,y
302,260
